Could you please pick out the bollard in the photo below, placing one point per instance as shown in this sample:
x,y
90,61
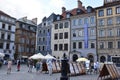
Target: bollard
x,y
64,68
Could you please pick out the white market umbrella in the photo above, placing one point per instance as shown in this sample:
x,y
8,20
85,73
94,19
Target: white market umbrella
x,y
37,56
2,54
48,56
82,59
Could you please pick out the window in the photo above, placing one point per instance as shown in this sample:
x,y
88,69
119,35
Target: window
x,y
48,30
68,15
110,45
65,46
81,33
101,13
66,24
39,48
40,31
101,45
101,33
61,25
74,34
92,45
92,31
39,39
66,35
43,48
1,45
58,17
80,22
56,36
7,46
55,47
109,21
118,32
74,22
118,10
60,46
8,37
43,39
101,22
86,21
43,31
2,36
92,20
9,27
60,35
118,44
80,45
56,26
3,26
118,20
109,11
109,32
74,45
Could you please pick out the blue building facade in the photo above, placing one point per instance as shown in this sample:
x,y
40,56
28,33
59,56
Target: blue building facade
x,y
44,35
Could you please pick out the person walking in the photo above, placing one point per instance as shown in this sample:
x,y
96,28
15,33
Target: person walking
x,y
37,67
95,68
30,66
18,65
49,65
9,66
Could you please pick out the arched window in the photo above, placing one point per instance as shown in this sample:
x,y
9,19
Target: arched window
x,y
91,58
75,57
102,59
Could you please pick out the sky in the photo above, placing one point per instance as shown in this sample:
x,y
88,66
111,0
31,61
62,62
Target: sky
x,y
41,8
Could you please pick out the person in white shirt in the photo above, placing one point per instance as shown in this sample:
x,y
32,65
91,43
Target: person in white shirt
x,y
49,65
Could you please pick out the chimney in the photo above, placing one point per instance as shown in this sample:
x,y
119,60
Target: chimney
x,y
25,18
34,20
63,9
79,4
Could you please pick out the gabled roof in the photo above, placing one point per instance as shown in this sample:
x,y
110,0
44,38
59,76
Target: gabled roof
x,y
3,13
73,12
27,21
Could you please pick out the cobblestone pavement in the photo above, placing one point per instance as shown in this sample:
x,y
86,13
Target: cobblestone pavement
x,y
24,75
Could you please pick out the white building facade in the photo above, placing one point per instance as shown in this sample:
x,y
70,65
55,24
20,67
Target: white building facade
x,y
7,35
60,38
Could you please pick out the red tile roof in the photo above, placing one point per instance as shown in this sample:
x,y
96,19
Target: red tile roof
x,y
73,12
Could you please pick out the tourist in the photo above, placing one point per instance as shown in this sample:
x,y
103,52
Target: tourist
x,y
30,65
18,65
9,67
49,65
38,66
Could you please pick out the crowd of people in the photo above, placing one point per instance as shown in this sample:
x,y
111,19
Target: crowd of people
x,y
93,67
90,67
31,64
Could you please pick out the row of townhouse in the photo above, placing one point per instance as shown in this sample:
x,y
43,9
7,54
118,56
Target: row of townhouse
x,y
17,37
93,33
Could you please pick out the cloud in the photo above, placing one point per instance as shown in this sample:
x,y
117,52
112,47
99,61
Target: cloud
x,y
36,8
31,8
57,3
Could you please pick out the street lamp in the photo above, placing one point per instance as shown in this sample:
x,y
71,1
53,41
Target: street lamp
x,y
64,68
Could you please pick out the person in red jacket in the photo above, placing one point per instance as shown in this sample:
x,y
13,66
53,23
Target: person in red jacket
x,y
18,65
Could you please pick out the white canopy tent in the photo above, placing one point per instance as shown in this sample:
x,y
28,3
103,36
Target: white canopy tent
x,y
48,56
82,59
37,56
2,54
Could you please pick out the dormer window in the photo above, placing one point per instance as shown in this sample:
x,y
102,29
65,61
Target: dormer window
x,y
78,11
58,17
44,24
68,15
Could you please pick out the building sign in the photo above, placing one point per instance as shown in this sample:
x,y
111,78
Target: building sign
x,y
48,41
86,35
